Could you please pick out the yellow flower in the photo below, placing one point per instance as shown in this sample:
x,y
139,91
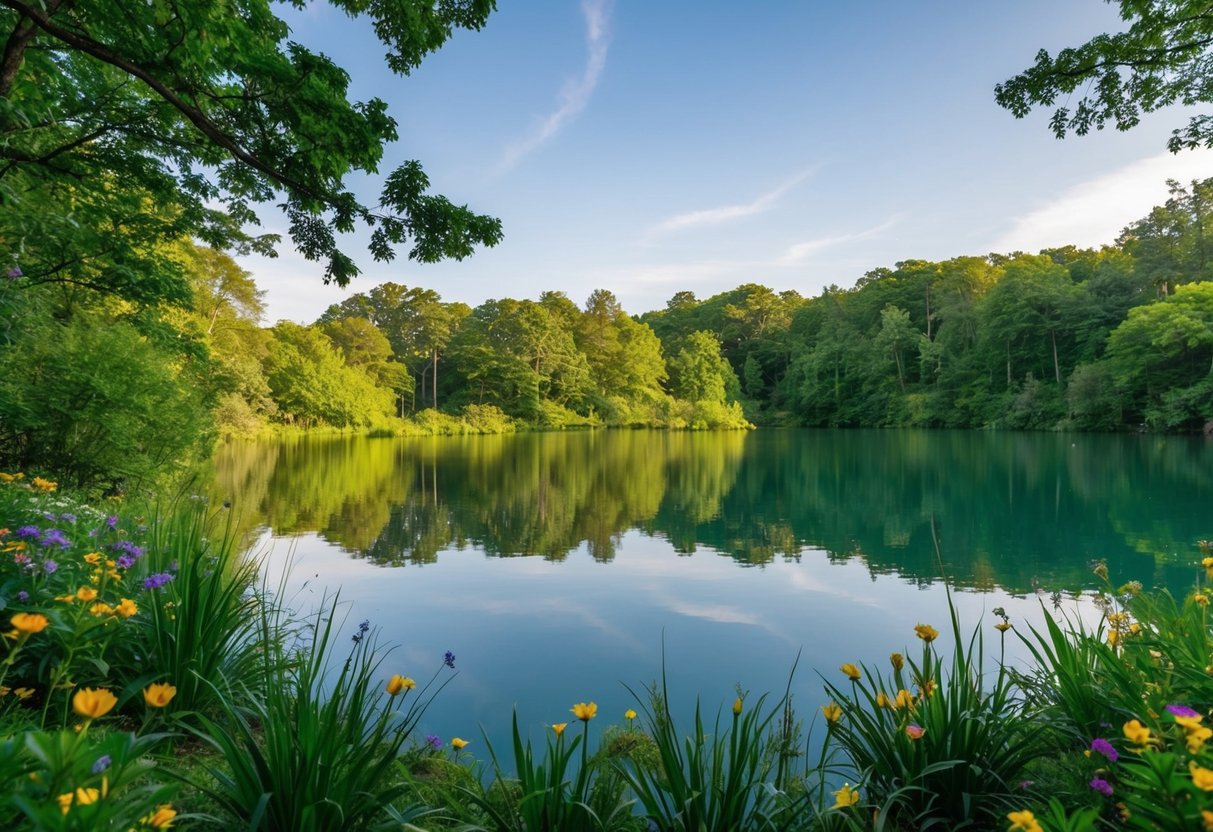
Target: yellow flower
x,y
926,632
93,558
851,670
1137,733
846,797
458,744
629,714
1207,563
585,711
883,701
91,703
1113,637
398,683
897,660
81,796
1188,723
1202,778
162,818
559,727
737,704
1197,739
928,688
158,695
23,693
1024,821
30,622
832,712
40,484
86,594
101,608
1201,599
126,608
1134,628
904,699
1002,626
67,599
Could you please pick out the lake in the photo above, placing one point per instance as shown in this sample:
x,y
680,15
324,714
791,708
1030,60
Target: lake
x,y
558,566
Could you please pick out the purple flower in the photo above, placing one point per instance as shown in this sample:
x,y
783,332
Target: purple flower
x,y
112,521
1181,710
49,515
434,741
49,567
126,547
157,580
13,273
103,762
1102,786
29,531
125,561
23,596
449,659
55,537
68,518
1102,746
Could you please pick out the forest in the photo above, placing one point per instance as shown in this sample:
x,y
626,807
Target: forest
x,y
102,387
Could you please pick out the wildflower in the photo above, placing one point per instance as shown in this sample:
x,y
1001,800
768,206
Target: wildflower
x,y
1024,821
897,660
458,744
161,818
737,703
27,532
1202,778
1101,785
1182,711
55,537
1137,733
23,596
1002,626
831,712
82,797
102,763
883,701
904,699
126,608
30,622
13,274
158,695
449,659
926,632
86,594
23,693
559,727
851,670
157,580
1113,638
101,608
362,630
40,484
50,567
1101,570
398,683
1197,737
1102,746
915,731
629,714
91,703
846,797
927,688
434,741
112,521
93,558
1201,599
585,711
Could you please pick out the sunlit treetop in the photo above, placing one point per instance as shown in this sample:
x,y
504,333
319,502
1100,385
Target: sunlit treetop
x,y
208,109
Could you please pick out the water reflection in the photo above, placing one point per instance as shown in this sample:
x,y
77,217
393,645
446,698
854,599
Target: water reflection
x,y
1016,511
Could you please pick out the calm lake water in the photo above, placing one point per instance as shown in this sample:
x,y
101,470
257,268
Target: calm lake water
x,y
555,566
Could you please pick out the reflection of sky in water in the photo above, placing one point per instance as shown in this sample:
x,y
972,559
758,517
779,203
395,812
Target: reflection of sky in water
x,y
539,635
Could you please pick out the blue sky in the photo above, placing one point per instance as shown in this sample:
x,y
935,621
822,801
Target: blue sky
x,y
650,147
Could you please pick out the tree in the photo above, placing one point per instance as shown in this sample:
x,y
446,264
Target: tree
x,y
1162,59
700,373
189,106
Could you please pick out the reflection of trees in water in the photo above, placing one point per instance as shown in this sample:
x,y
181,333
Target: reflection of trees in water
x,y
1015,510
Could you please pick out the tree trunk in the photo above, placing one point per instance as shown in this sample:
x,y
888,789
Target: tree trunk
x,y
1056,366
1008,364
434,379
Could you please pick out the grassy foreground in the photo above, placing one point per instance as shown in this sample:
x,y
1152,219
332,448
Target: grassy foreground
x,y
150,680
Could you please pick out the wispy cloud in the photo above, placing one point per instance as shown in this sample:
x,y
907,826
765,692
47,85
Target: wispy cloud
x,y
1094,212
576,92
802,251
728,213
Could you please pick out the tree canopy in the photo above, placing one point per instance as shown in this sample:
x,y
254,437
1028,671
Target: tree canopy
x,y
1163,58
123,125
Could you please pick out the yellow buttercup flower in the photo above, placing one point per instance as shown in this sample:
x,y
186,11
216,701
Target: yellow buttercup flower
x,y
126,608
40,484
1197,738
93,557
86,594
904,699
23,693
1202,778
158,695
458,744
883,701
82,797
398,683
91,703
101,608
629,714
1113,638
926,632
1207,563
1002,626
846,797
30,622
832,712
851,670
559,727
162,818
737,704
1136,733
1024,821
1201,599
585,711
897,660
